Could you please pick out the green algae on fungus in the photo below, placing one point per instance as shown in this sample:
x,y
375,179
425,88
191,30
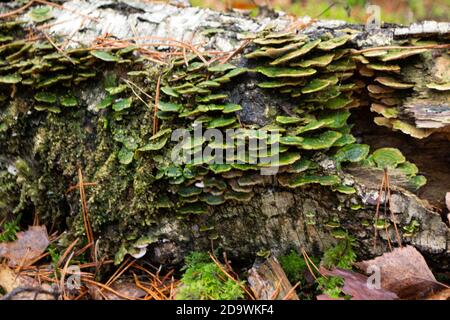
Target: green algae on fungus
x,y
439,86
122,104
333,43
297,53
300,180
345,189
411,229
324,140
352,153
388,158
288,120
69,101
320,61
11,78
104,55
41,14
45,97
417,182
276,72
125,156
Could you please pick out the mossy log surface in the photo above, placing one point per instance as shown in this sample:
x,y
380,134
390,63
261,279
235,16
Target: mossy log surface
x,y
42,146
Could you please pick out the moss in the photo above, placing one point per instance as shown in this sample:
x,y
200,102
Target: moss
x,y
8,231
342,255
295,266
204,280
331,286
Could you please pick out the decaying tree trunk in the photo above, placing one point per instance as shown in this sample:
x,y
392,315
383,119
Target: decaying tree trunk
x,y
276,218
269,282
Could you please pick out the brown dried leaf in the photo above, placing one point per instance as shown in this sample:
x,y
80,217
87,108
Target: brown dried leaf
x,y
29,245
355,285
9,281
405,272
125,288
441,295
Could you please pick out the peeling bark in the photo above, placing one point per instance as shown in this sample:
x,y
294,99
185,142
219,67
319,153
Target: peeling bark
x,y
269,282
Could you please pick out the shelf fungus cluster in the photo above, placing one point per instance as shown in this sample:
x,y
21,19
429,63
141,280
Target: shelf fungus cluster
x,y
51,74
127,148
197,94
400,83
317,74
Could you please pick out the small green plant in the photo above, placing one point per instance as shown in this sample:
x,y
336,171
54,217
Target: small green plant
x,y
54,255
9,231
331,286
341,255
295,266
203,280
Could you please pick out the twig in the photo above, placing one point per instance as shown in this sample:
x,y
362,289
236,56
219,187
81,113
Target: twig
x,y
36,290
137,87
172,291
42,256
227,263
309,267
119,274
307,258
136,94
230,276
397,234
429,46
82,250
239,49
276,292
67,251
57,48
71,188
87,224
101,285
49,25
328,8
63,275
147,290
155,110
377,214
388,236
291,291
17,11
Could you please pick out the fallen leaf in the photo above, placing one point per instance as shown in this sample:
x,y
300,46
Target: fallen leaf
x,y
405,272
10,281
29,245
125,288
441,295
356,286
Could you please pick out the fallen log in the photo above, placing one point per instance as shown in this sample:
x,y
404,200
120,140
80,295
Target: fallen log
x,y
132,209
269,282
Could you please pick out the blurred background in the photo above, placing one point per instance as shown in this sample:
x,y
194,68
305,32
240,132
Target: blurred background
x,y
392,11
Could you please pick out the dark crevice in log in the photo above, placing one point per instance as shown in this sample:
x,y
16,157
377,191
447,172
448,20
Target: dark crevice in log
x,y
431,155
